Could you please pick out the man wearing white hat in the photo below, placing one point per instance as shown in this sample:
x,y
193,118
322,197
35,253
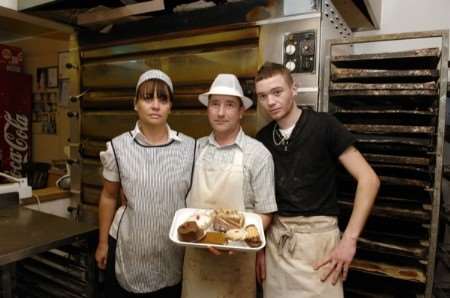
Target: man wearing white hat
x,y
234,171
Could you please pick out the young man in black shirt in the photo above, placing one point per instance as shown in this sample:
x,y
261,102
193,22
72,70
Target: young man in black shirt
x,y
305,255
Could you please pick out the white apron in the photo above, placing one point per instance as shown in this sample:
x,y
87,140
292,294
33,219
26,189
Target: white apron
x,y
294,245
204,274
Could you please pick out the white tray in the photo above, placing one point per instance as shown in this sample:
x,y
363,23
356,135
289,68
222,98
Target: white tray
x,y
250,218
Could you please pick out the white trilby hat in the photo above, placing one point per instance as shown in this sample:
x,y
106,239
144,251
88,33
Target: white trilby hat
x,y
154,74
226,84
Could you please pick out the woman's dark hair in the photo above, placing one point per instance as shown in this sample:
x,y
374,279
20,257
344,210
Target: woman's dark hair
x,y
147,89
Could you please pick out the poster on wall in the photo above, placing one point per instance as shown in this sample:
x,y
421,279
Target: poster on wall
x,y
63,93
44,112
52,81
46,77
41,78
63,60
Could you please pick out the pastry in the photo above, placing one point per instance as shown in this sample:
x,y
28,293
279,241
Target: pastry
x,y
190,232
252,238
214,238
236,234
203,219
193,229
227,219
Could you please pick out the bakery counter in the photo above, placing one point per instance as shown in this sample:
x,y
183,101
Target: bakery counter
x,y
26,232
50,200
46,194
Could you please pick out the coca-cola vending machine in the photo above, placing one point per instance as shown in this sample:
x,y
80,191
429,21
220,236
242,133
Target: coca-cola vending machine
x,y
15,121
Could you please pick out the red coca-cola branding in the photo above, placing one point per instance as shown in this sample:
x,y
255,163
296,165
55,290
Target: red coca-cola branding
x,y
16,135
11,58
15,121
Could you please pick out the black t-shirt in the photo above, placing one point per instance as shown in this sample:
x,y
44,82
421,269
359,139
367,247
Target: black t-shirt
x,y
305,169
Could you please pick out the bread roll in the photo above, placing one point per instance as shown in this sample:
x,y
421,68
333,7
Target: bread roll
x,y
236,234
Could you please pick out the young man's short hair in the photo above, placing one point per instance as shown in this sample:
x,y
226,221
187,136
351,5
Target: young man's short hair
x,y
270,69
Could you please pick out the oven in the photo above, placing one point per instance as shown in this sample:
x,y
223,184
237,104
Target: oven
x,y
290,34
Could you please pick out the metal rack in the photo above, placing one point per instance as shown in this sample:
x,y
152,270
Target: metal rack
x,y
394,103
442,282
63,272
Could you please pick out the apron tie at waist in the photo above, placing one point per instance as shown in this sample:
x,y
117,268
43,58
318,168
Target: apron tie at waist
x,y
286,239
287,235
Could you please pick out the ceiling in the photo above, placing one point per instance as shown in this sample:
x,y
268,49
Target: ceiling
x,y
100,20
69,11
15,26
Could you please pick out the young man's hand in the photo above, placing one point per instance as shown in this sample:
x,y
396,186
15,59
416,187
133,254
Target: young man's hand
x,y
337,263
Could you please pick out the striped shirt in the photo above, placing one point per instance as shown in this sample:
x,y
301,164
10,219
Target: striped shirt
x,y
155,180
258,186
111,173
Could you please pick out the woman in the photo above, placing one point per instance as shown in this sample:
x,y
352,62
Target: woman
x,y
153,165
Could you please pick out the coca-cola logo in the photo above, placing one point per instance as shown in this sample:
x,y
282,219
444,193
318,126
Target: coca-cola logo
x,y
15,134
6,54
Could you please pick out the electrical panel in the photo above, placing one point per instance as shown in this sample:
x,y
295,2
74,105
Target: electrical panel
x,y
299,54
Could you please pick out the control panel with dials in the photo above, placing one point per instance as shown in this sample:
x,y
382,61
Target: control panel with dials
x,y
299,52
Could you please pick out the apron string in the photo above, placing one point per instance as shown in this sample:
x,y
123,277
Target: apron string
x,y
287,235
192,170
286,239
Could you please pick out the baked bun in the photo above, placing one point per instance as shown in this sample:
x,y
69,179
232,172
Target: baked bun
x,y
236,234
190,232
227,219
252,236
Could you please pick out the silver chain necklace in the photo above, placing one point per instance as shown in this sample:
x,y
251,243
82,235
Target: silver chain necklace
x,y
276,134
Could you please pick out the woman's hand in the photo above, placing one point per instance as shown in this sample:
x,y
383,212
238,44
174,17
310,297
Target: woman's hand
x,y
101,255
